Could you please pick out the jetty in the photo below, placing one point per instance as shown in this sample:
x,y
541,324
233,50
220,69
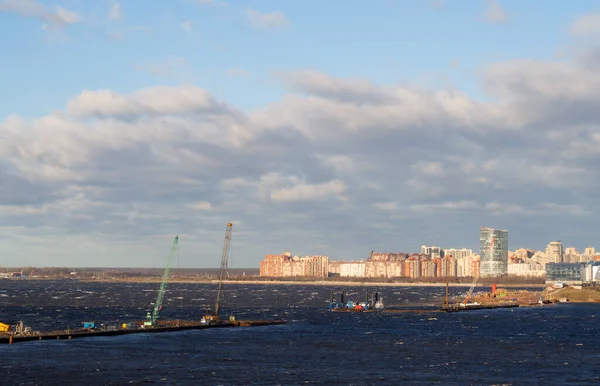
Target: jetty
x,y
171,326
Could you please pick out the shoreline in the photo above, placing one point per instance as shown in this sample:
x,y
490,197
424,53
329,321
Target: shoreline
x,y
292,282
381,284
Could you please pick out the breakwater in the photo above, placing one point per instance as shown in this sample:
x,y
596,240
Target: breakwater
x,y
172,327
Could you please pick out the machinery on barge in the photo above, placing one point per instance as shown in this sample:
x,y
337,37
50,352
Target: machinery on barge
x,y
347,304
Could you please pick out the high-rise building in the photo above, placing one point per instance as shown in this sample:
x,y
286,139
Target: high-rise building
x,y
432,251
554,251
494,256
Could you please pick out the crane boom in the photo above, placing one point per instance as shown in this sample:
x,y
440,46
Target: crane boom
x,y
151,319
476,278
223,270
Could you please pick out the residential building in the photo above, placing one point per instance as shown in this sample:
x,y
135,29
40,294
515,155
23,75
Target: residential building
x,y
428,269
272,265
458,253
448,267
555,252
432,251
527,269
284,265
571,251
468,266
352,269
524,254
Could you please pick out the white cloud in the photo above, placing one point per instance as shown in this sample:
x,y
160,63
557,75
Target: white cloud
x,y
202,205
430,168
445,206
562,209
339,163
309,192
333,156
115,12
586,25
153,101
386,206
32,8
276,19
494,13
504,209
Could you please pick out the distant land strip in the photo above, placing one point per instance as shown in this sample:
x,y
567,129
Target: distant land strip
x,y
306,283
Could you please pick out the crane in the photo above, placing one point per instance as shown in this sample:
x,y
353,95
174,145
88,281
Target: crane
x,y
476,274
151,318
223,270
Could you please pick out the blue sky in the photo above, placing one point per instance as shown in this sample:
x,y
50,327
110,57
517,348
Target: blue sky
x,y
411,40
371,125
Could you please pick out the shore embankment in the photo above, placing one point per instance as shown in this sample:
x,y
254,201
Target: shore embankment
x,y
584,295
328,283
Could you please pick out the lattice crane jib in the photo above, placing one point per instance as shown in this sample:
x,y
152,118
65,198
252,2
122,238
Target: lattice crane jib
x,y
163,285
223,269
476,279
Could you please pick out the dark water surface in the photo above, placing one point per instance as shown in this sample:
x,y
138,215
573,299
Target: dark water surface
x,y
523,346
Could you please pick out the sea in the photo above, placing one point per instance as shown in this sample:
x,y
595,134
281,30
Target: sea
x,y
550,345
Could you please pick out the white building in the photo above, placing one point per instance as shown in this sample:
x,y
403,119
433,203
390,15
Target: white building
x,y
352,269
432,251
527,269
458,253
555,252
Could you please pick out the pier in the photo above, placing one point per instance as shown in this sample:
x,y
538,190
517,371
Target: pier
x,y
88,333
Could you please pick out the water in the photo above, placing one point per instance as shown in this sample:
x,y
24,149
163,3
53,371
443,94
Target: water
x,y
546,345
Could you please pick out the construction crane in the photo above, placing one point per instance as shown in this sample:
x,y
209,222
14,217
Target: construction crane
x,y
151,318
476,274
222,272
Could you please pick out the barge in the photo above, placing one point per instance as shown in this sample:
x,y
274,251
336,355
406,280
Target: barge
x,y
349,305
172,326
471,307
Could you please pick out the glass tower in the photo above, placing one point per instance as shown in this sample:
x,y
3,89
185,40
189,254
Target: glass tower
x,y
494,259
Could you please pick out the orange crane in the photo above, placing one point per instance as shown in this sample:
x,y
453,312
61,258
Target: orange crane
x,y
476,274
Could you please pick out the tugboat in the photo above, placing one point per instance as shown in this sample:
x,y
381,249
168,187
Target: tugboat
x,y
349,305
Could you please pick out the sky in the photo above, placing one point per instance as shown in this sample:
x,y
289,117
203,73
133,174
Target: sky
x,y
313,127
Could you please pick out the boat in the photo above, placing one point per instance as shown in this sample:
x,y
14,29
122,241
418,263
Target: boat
x,y
347,304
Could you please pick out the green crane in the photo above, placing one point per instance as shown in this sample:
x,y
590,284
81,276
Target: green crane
x,y
151,318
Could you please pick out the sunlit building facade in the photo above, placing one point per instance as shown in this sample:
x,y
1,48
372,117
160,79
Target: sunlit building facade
x,y
494,255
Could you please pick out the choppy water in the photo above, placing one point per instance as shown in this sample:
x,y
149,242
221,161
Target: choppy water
x,y
549,345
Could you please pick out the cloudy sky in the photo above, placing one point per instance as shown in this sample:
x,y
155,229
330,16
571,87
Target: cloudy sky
x,y
315,128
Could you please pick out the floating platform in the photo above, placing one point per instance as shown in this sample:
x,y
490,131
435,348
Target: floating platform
x,y
473,307
171,327
414,311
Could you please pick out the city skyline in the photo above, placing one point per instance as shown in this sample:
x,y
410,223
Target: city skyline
x,y
313,127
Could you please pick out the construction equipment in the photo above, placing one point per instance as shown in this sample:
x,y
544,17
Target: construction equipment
x,y
375,303
151,318
476,274
214,316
